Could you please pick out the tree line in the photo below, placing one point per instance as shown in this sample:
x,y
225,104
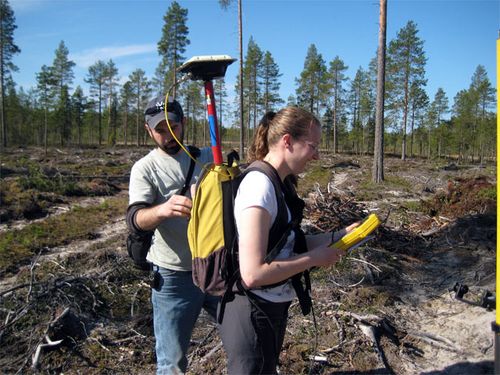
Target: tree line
x,y
54,113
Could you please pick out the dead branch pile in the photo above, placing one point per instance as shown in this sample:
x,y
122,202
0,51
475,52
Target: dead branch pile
x,y
57,314
326,211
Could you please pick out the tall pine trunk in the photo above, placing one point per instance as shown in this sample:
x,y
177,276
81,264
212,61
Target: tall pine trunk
x,y
378,150
240,34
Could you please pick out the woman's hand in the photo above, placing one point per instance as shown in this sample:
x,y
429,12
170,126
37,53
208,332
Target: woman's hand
x,y
351,227
324,256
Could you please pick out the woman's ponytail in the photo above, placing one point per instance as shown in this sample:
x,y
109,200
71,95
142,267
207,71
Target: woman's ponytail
x,y
260,146
289,120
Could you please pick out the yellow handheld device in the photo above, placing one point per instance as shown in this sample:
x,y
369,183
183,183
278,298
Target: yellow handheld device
x,y
359,235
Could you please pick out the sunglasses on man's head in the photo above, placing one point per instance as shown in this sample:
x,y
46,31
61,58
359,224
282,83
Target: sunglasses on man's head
x,y
154,110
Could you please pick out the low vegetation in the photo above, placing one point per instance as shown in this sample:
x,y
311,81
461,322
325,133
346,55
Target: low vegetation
x,y
18,246
65,275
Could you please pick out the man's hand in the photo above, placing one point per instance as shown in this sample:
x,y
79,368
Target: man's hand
x,y
176,206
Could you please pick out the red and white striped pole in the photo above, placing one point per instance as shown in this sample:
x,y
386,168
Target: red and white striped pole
x,y
212,120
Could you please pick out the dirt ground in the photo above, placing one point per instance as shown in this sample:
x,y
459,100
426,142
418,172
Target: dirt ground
x,y
394,305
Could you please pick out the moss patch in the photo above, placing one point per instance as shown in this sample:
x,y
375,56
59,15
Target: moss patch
x,y
315,174
79,223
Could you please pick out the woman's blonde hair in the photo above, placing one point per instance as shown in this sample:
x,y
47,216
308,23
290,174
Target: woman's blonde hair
x,y
289,120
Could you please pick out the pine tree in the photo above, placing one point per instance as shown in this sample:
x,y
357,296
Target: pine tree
x,y
336,78
78,103
440,107
7,50
31,121
357,99
173,44
405,68
419,100
62,73
113,119
483,97
158,80
291,101
62,69
221,96
97,79
463,111
14,113
126,96
379,70
225,4
44,83
328,123
484,93
194,106
91,116
270,75
361,100
141,90
111,81
311,84
366,111
63,116
252,89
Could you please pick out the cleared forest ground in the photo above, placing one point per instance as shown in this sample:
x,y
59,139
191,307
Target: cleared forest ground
x,y
71,302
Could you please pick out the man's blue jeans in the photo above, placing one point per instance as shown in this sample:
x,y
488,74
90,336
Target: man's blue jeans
x,y
176,305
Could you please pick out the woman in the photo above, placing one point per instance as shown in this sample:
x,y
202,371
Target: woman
x,y
254,323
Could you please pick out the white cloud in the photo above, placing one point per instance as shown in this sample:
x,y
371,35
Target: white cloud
x,y
87,58
26,5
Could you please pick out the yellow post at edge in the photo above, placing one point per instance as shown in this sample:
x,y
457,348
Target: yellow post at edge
x,y
498,168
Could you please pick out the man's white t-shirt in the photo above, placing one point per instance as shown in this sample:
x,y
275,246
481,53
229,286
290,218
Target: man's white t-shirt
x,y
153,180
257,190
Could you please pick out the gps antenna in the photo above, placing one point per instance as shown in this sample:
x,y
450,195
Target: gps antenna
x,y
207,68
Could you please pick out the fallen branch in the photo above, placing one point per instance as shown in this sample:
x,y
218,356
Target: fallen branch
x,y
341,339
432,231
367,319
36,356
372,333
346,286
19,286
32,276
126,339
48,342
367,269
365,262
336,347
212,352
440,342
100,344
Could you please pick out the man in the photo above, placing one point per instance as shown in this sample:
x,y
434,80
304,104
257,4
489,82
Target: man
x,y
155,203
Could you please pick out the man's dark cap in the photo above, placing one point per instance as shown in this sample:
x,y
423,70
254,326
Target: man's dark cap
x,y
155,111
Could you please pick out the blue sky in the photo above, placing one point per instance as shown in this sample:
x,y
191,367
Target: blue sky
x,y
458,35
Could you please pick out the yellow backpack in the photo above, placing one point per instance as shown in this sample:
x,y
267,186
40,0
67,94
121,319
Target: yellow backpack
x,y
212,231
208,226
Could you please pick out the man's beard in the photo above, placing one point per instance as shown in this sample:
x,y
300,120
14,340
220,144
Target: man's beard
x,y
172,147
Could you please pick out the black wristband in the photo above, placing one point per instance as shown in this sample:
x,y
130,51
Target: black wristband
x,y
132,213
338,235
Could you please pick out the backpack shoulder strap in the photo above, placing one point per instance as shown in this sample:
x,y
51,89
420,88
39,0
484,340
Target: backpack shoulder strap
x,y
286,195
281,227
272,174
195,152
